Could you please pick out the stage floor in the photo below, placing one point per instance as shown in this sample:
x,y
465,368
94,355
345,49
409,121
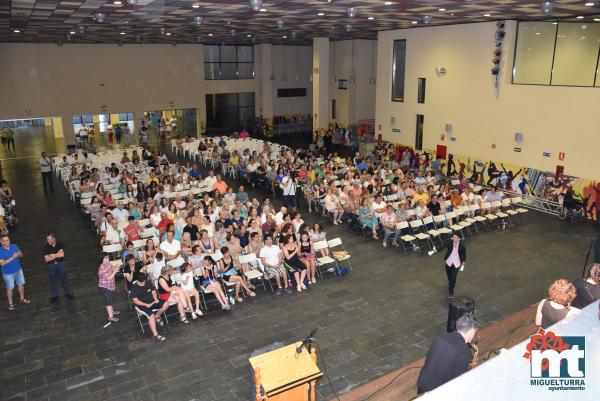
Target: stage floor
x,y
378,318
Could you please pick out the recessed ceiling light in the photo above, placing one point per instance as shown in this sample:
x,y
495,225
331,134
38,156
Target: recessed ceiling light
x,y
168,33
72,32
371,18
580,17
388,3
441,9
538,33
285,37
590,4
117,2
210,34
122,33
414,22
16,31
263,10
597,19
248,36
555,23
321,14
486,15
195,5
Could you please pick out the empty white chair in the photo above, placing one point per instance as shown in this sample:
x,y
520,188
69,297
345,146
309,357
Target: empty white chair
x,y
342,255
407,237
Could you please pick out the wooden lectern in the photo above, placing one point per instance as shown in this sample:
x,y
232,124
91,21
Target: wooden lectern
x,y
285,375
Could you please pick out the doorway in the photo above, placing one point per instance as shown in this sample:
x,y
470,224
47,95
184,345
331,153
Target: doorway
x,y
228,112
419,132
31,136
177,121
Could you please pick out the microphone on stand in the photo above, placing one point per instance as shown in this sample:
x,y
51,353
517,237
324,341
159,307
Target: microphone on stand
x,y
307,341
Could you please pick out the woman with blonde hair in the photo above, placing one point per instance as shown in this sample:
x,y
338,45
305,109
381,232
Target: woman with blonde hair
x,y
557,306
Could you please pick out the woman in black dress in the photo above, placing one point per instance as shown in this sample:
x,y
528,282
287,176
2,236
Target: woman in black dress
x,y
292,261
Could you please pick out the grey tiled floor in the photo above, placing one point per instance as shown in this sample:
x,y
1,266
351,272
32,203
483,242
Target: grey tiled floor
x,y
378,318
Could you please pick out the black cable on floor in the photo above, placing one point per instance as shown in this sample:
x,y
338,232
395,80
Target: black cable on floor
x,y
337,397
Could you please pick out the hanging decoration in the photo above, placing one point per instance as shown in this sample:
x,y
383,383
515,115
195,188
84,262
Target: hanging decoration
x,y
284,76
297,64
372,80
497,59
352,78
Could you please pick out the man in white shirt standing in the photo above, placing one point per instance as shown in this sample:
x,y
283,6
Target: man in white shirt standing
x,y
272,260
46,169
288,185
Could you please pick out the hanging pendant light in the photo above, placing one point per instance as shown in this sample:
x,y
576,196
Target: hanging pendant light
x,y
334,79
372,80
255,4
272,77
352,78
284,76
297,64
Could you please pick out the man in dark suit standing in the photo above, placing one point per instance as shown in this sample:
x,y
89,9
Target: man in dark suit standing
x,y
455,258
449,355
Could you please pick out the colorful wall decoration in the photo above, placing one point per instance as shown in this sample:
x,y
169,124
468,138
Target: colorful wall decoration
x,y
521,179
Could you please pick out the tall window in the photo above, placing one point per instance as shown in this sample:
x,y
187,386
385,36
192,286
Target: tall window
x,y
398,69
421,90
557,53
228,62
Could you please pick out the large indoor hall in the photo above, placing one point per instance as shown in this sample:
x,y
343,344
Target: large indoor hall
x,y
290,200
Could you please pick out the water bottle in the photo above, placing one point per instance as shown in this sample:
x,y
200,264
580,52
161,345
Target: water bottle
x,y
232,300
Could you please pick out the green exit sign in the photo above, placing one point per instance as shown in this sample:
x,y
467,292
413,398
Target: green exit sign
x,y
395,129
518,150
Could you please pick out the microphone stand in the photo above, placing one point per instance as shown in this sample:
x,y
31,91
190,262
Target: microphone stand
x,y
307,342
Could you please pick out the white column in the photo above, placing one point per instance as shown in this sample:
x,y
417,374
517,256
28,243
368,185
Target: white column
x,y
320,83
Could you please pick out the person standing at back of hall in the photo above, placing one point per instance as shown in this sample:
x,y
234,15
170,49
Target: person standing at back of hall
x,y
10,138
54,256
455,258
46,169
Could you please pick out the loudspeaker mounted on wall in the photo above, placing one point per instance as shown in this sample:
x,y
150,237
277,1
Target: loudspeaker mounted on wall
x,y
448,128
393,120
440,71
518,137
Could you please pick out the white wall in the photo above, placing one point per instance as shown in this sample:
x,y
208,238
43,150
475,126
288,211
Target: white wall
x,y
292,105
72,79
552,119
358,101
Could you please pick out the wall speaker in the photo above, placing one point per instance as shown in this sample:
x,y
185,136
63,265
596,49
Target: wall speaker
x,y
448,128
518,137
393,120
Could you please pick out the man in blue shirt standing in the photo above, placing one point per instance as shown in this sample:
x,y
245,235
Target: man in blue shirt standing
x,y
10,256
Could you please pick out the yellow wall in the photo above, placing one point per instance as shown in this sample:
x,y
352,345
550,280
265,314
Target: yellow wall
x,y
552,119
57,127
